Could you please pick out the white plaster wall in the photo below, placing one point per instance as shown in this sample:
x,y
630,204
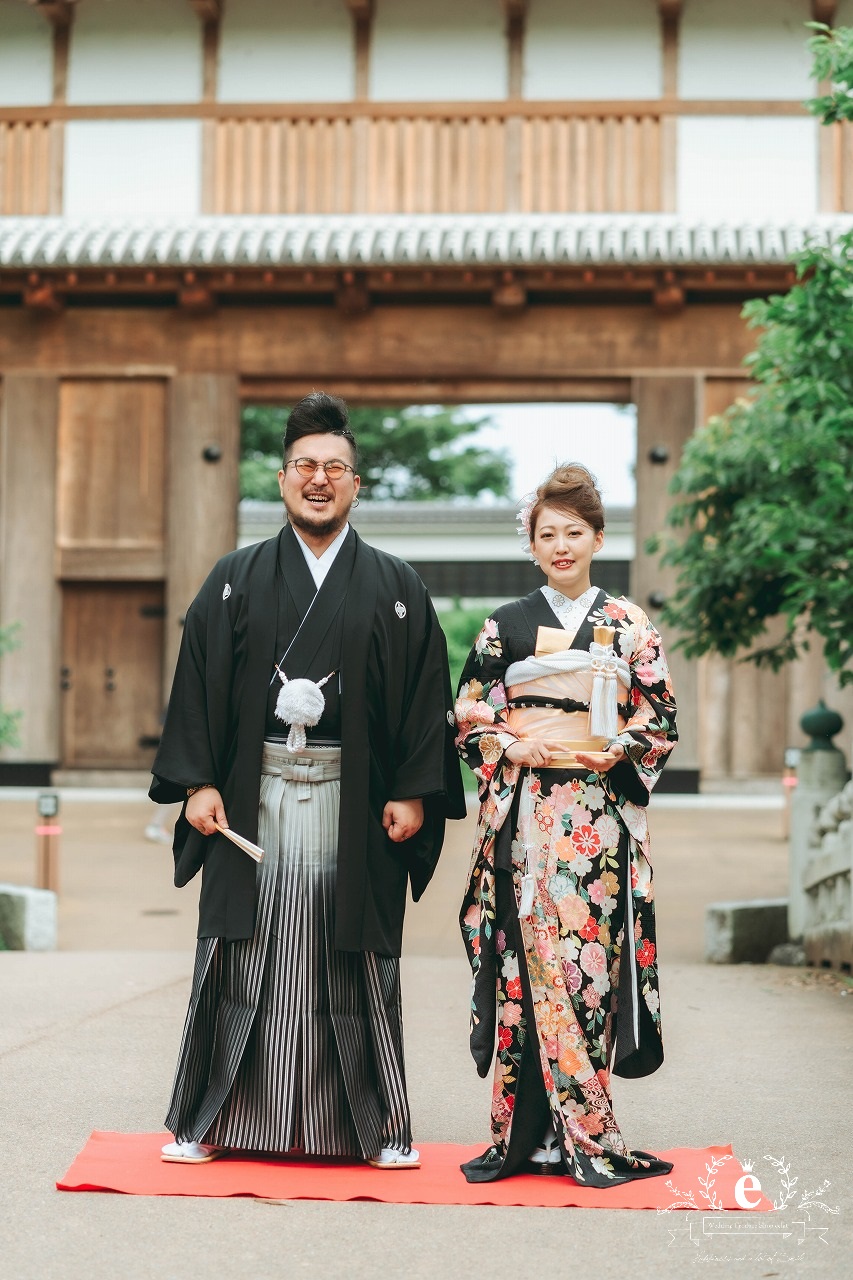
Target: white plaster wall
x,y
135,51
132,167
747,168
26,56
445,50
577,50
744,49
286,51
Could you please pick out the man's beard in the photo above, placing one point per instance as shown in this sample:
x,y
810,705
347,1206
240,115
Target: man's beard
x,y
319,528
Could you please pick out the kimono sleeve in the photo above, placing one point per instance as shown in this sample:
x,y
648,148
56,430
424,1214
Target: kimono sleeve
x,y
185,757
425,763
650,733
482,732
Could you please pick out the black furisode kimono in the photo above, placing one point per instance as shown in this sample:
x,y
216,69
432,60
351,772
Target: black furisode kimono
x,y
569,993
371,623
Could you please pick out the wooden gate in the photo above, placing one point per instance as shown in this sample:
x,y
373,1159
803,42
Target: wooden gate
x,y
112,673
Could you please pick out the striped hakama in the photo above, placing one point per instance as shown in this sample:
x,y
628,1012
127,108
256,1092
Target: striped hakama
x,y
288,1043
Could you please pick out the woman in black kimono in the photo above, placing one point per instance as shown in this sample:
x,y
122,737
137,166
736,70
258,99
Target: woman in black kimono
x,y
558,917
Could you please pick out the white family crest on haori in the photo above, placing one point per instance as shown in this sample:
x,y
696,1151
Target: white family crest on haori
x,y
226,591
400,609
300,703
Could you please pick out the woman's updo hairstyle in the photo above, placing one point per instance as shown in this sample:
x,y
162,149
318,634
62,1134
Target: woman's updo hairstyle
x,y
572,490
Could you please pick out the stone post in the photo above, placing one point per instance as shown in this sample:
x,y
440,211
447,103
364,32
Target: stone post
x,y
821,774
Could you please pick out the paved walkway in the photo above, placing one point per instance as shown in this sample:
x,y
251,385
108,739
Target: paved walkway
x,y
757,1056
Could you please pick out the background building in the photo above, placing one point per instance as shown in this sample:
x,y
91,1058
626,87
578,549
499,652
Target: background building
x,y
206,204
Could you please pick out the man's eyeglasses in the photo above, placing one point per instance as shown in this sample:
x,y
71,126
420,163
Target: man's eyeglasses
x,y
307,467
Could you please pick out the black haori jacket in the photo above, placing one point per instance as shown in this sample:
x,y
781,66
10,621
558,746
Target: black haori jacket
x,y
396,730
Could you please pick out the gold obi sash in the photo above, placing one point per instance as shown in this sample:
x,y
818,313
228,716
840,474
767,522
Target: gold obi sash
x,y
569,728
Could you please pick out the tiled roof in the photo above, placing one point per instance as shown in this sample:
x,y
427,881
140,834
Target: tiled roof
x,y
437,515
398,240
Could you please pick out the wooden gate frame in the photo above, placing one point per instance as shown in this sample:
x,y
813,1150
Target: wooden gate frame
x,y
603,346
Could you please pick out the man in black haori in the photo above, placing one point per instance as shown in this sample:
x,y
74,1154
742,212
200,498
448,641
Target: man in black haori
x,y
309,715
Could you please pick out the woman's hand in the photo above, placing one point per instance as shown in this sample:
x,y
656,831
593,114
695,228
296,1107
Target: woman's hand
x,y
532,752
601,766
205,809
403,819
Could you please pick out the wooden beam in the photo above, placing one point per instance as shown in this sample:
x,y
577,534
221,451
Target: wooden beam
x,y
608,108
670,9
360,9
58,12
440,391
207,10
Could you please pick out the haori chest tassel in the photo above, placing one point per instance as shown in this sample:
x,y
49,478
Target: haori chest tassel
x,y
300,703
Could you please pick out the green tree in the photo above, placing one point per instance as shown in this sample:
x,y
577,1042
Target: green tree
x,y
832,63
9,720
409,453
765,490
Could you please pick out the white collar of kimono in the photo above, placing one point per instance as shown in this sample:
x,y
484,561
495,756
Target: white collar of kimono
x,y
320,565
570,612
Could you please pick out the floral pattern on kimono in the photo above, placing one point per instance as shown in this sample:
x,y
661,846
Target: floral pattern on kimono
x,y
587,845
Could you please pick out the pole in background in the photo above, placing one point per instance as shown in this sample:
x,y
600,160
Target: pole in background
x,y
48,832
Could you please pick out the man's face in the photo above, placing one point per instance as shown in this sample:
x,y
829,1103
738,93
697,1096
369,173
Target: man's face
x,y
318,505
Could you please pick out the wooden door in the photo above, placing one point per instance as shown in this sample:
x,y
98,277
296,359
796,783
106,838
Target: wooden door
x,y
112,668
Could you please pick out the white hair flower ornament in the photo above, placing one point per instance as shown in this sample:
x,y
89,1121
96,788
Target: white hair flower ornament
x,y
528,502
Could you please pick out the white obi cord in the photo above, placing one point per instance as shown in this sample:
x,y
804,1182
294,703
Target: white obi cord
x,y
608,671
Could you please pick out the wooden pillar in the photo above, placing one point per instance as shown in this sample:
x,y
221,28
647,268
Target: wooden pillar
x,y
666,417
516,22
362,30
670,22
203,480
715,680
29,593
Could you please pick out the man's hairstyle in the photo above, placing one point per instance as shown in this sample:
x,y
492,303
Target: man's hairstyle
x,y
319,414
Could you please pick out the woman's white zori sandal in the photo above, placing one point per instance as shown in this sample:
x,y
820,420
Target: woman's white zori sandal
x,y
189,1152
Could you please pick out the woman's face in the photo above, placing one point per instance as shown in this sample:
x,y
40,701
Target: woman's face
x,y
564,546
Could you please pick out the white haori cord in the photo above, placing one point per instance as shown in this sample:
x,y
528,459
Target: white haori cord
x,y
300,703
608,670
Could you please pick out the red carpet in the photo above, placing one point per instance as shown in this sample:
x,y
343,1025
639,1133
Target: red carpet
x,y
130,1163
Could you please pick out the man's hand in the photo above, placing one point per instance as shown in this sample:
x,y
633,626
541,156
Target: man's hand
x,y
403,818
205,809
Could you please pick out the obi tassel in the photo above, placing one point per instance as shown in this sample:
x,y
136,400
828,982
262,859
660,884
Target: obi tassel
x,y
603,714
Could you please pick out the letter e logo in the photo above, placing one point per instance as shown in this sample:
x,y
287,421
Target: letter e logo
x,y
748,1182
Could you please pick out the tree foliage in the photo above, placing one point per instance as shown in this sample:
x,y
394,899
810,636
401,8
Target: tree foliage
x,y
832,62
765,489
411,453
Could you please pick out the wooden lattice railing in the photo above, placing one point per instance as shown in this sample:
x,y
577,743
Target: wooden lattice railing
x,y
465,162
30,166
